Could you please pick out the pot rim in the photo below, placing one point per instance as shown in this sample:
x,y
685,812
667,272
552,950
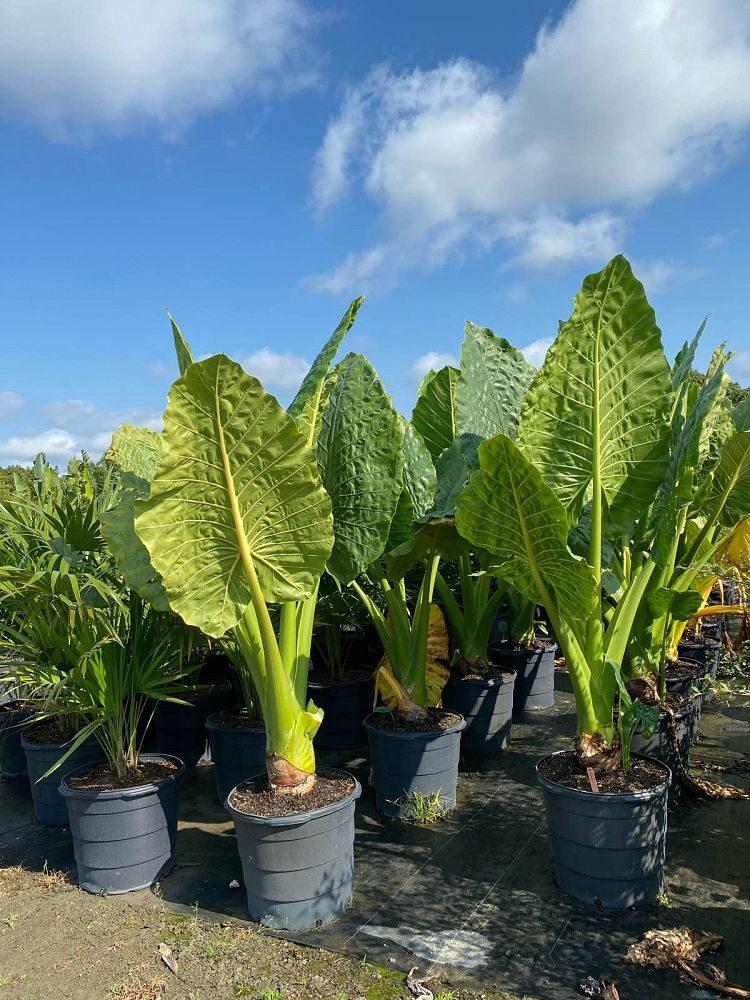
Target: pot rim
x,y
369,679
549,644
420,734
509,677
579,793
218,687
297,819
121,793
239,729
28,744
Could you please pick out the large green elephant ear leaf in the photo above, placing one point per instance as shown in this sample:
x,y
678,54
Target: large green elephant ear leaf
x,y
494,377
508,510
683,363
453,469
181,346
729,496
438,535
237,506
307,406
434,415
418,487
741,414
360,460
694,418
136,450
130,554
597,410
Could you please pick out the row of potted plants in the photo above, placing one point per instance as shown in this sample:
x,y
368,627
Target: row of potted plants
x,y
606,489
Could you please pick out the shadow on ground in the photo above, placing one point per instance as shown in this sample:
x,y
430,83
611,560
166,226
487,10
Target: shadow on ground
x,y
474,899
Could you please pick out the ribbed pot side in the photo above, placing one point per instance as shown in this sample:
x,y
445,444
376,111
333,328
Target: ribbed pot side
x,y
12,756
404,763
535,675
49,805
607,848
661,746
298,870
346,704
182,728
487,706
124,839
238,754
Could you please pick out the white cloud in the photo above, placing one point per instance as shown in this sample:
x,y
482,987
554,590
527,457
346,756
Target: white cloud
x,y
661,275
536,350
616,104
55,443
9,402
84,428
280,371
548,242
432,361
739,366
61,411
114,65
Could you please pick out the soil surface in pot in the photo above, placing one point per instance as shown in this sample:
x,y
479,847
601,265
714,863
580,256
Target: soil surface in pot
x,y
101,777
48,732
492,673
679,669
509,646
237,720
642,775
323,677
256,797
392,722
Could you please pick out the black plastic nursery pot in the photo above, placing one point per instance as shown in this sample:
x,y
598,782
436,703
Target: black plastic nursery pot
x,y
682,678
664,748
608,848
12,756
182,728
407,762
535,674
124,839
238,753
298,870
708,654
49,805
487,707
346,704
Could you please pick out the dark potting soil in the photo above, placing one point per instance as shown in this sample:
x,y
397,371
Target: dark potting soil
x,y
642,775
321,677
49,732
469,672
101,777
256,797
394,723
509,646
11,706
237,720
682,668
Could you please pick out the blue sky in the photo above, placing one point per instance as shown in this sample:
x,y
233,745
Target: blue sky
x,y
252,165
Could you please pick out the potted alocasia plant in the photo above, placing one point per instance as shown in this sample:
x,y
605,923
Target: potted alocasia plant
x,y
236,523
593,428
697,514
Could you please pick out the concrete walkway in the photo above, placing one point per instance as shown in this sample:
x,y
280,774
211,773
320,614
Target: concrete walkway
x,y
473,900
